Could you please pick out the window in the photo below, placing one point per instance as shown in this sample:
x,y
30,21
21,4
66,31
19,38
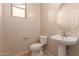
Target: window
x,y
18,10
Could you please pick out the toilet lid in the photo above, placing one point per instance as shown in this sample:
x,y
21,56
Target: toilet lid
x,y
36,45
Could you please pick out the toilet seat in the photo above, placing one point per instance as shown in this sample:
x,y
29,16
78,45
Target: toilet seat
x,y
36,46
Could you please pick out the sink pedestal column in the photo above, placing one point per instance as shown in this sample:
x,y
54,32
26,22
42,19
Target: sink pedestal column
x,y
61,50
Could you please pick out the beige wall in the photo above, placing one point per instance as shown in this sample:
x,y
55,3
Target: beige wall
x,y
1,32
49,27
74,49
15,29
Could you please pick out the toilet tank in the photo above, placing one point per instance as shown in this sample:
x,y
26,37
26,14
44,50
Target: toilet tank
x,y
43,39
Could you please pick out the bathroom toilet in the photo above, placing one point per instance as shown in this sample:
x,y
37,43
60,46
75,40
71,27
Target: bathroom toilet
x,y
37,48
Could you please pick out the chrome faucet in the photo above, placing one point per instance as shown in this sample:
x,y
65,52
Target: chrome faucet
x,y
64,34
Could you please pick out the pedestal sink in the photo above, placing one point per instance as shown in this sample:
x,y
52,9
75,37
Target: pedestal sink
x,y
63,42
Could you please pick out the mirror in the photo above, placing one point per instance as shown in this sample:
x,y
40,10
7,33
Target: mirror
x,y
68,17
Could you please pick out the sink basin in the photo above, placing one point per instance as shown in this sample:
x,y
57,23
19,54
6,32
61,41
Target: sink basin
x,y
64,40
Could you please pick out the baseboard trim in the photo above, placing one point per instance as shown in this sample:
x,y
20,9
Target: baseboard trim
x,y
23,53
48,53
5,54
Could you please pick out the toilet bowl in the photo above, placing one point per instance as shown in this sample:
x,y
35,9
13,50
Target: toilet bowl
x,y
36,48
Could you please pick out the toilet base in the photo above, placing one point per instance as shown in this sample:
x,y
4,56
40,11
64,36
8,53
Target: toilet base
x,y
37,53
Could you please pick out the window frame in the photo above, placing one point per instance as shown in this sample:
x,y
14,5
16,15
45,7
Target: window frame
x,y
17,7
